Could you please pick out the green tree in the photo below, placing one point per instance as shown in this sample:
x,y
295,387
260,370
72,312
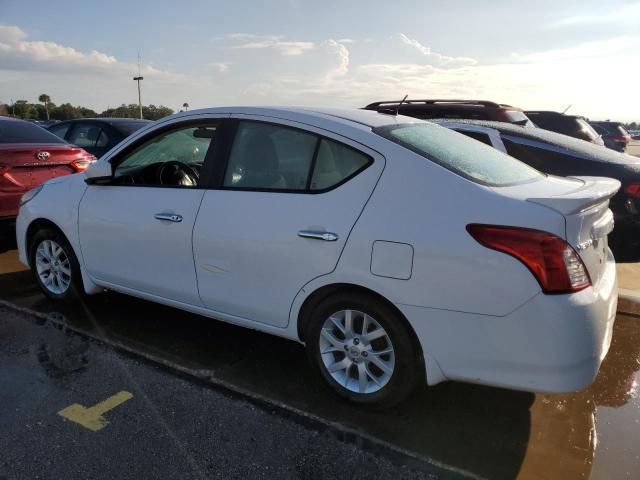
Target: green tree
x,y
25,110
4,110
45,99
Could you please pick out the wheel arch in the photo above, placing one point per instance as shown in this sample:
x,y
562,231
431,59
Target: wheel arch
x,y
325,291
44,223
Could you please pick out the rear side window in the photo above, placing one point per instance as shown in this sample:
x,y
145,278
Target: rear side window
x,y
464,156
270,157
18,131
549,160
335,163
85,135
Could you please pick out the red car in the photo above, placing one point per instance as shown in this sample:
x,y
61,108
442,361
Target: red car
x,y
30,155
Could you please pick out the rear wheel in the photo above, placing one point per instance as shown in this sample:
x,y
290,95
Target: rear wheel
x,y
54,265
361,348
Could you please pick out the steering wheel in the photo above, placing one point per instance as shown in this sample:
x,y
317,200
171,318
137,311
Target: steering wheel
x,y
177,173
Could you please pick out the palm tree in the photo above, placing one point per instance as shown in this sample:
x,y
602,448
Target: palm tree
x,y
44,98
185,105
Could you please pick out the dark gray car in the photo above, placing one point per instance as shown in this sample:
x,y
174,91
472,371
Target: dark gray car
x,y
97,135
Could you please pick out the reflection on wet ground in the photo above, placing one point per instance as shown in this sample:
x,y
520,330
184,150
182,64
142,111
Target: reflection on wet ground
x,y
493,433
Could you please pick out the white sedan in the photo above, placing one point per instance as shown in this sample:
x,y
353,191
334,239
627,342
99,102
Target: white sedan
x,y
398,251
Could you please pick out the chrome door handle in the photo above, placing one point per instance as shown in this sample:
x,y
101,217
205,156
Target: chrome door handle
x,y
168,217
326,236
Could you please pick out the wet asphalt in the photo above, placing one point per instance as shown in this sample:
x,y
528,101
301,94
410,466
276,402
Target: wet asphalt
x,y
486,432
170,427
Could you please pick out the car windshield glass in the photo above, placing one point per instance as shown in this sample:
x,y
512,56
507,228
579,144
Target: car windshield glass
x,y
587,128
15,131
518,117
460,154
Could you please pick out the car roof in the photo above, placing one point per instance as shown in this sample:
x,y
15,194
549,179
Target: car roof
x,y
550,113
109,120
355,117
574,145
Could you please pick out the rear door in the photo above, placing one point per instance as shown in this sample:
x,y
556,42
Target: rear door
x,y
279,217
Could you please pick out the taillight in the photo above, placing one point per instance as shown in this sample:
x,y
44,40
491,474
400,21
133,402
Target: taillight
x,y
82,164
633,190
621,138
552,261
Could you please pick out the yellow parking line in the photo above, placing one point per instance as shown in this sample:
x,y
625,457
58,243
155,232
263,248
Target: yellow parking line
x,y
92,417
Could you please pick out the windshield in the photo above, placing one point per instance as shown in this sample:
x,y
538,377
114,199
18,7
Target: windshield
x,y
460,154
518,117
588,129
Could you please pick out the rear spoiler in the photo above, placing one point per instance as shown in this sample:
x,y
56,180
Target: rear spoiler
x,y
593,191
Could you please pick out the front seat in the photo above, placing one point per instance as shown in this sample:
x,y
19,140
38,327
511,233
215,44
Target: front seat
x,y
260,165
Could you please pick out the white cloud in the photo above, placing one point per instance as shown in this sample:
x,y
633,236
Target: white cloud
x,y
621,14
220,67
259,42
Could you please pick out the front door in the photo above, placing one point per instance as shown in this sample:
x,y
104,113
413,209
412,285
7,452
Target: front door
x,y
135,232
280,218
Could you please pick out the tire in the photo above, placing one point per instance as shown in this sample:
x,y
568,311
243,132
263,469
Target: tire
x,y
51,246
404,361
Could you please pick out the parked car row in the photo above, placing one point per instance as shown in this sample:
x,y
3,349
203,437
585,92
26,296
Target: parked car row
x,y
399,251
610,134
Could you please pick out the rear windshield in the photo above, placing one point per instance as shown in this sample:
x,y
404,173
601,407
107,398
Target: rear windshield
x,y
460,154
127,128
587,129
17,131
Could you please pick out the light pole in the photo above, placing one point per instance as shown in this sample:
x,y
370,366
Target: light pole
x,y
139,79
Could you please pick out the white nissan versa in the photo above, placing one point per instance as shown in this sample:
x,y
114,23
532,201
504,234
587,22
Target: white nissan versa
x,y
398,251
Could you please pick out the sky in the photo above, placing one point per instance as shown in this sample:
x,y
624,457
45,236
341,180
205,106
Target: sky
x,y
533,54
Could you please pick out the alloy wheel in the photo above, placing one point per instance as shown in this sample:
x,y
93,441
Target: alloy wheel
x,y
357,351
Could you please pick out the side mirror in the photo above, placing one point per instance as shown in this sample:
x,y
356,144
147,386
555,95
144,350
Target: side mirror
x,y
98,172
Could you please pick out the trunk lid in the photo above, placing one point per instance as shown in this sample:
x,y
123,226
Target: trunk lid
x,y
584,204
25,166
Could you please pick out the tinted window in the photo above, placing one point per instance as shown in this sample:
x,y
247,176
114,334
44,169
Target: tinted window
x,y
103,139
551,161
516,116
481,137
85,135
60,130
17,131
462,155
335,163
172,158
270,157
127,128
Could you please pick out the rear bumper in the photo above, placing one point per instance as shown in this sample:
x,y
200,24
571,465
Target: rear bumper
x,y
552,343
9,204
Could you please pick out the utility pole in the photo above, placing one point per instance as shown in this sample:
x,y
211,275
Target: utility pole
x,y
138,79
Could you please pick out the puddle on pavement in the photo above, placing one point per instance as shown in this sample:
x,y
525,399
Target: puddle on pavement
x,y
491,432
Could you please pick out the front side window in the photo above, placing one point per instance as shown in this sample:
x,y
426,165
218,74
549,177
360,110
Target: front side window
x,y
460,154
172,158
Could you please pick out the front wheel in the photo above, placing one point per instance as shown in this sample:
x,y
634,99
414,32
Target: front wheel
x,y
362,349
54,265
